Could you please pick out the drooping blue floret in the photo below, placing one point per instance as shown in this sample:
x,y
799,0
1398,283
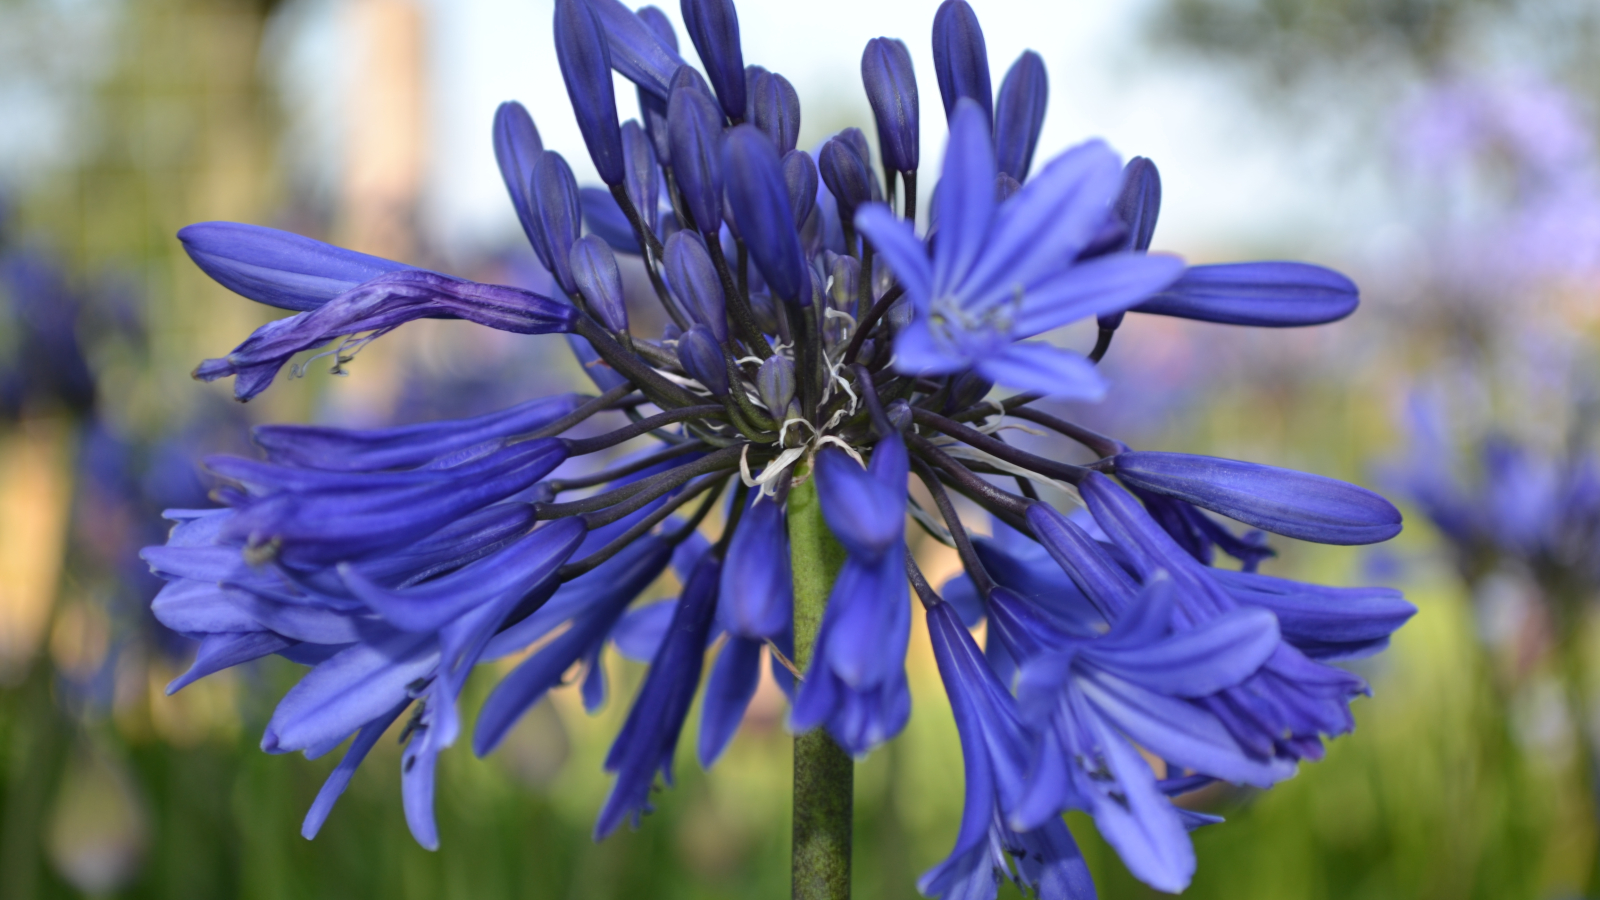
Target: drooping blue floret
x,y
856,684
757,594
404,446
649,737
800,175
642,179
378,306
1090,697
995,749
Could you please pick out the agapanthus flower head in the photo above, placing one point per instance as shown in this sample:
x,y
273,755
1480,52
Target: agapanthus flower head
x,y
821,351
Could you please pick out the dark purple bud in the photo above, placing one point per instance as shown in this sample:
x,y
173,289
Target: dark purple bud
x,y
660,24
775,109
760,202
516,149
960,59
800,174
558,221
643,179
1139,203
701,356
1263,294
1282,501
586,68
595,271
969,388
752,74
775,383
279,268
606,220
637,49
892,90
694,281
714,28
694,127
848,175
1019,115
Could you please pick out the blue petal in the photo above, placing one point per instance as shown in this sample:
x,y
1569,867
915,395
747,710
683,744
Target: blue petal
x,y
1083,559
353,688
965,200
380,305
733,682
607,221
714,28
539,673
639,634
1038,366
757,594
896,241
406,446
279,268
515,570
1041,229
637,51
864,513
339,778
1102,285
1264,294
891,87
648,738
221,651
1296,504
759,198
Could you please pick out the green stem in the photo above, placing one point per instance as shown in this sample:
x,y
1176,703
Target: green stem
x,y
823,773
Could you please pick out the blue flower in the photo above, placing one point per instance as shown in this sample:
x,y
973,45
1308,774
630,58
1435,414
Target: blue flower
x,y
1092,699
799,328
856,684
1002,273
995,750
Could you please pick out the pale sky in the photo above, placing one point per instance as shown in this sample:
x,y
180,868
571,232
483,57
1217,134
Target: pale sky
x,y
1226,182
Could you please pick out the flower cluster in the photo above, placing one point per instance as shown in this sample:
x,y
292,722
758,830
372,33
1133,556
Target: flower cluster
x,y
821,350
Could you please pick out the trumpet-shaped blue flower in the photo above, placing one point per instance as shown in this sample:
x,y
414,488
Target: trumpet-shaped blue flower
x,y
999,274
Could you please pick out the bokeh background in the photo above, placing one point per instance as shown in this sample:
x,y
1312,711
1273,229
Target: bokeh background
x,y
1442,152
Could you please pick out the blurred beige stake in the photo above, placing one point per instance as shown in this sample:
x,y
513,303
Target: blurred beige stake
x,y
35,480
385,158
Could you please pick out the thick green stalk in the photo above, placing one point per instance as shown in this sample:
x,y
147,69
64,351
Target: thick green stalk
x,y
824,775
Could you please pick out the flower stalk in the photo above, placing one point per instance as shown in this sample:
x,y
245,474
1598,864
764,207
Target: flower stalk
x,y
824,775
